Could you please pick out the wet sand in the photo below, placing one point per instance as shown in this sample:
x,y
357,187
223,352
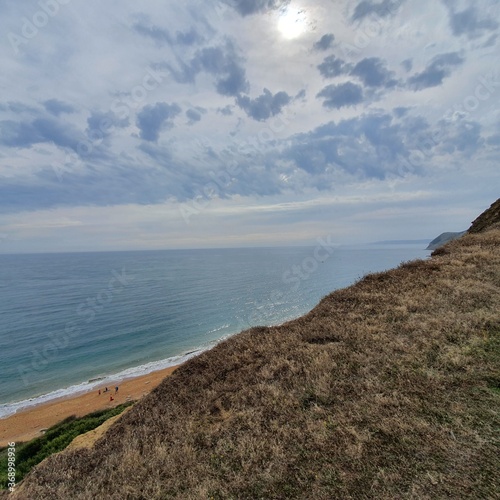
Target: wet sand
x,y
28,424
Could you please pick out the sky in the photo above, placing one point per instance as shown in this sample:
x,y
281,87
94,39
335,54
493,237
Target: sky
x,y
130,125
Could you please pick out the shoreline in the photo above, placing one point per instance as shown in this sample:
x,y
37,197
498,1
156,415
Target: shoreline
x,y
29,423
16,407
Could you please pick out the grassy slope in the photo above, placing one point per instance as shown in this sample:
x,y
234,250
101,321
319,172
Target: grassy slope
x,y
487,218
387,389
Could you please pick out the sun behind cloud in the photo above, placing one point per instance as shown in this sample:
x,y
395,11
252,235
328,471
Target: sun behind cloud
x,y
293,22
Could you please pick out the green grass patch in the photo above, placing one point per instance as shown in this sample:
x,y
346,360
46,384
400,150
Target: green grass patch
x,y
54,440
488,352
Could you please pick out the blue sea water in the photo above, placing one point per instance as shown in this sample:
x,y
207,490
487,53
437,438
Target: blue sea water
x,y
70,322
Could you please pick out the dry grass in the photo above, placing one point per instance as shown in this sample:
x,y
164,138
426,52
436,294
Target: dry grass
x,y
88,439
487,218
387,389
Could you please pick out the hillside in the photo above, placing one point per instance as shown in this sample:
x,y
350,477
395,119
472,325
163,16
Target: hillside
x,y
387,389
444,238
487,219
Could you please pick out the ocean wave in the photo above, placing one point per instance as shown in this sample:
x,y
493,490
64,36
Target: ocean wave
x,y
218,329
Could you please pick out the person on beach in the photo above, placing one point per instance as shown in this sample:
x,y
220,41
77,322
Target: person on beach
x,y
111,398
116,389
99,392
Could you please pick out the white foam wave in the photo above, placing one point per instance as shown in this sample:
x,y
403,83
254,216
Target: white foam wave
x,y
218,329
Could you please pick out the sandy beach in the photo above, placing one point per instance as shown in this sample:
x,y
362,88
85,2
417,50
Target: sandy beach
x,y
27,424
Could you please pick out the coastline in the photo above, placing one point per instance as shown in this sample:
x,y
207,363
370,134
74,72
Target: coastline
x,y
28,423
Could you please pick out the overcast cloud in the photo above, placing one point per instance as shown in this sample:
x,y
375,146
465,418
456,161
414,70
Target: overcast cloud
x,y
129,125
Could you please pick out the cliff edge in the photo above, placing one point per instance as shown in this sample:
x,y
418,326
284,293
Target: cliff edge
x,y
489,218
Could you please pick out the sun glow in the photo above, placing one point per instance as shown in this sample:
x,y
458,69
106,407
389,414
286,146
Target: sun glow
x,y
292,22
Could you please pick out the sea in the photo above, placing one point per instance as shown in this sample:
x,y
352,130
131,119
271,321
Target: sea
x,y
73,322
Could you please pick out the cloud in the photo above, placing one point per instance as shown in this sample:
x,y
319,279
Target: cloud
x,y
464,137
222,61
41,130
381,9
101,123
225,64
264,106
400,111
338,96
493,140
373,73
163,37
377,145
183,73
152,119
301,95
439,68
160,154
156,33
325,42
247,7
193,115
407,64
116,184
333,66
18,134
467,23
234,83
57,107
368,146
188,37
18,107
226,110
